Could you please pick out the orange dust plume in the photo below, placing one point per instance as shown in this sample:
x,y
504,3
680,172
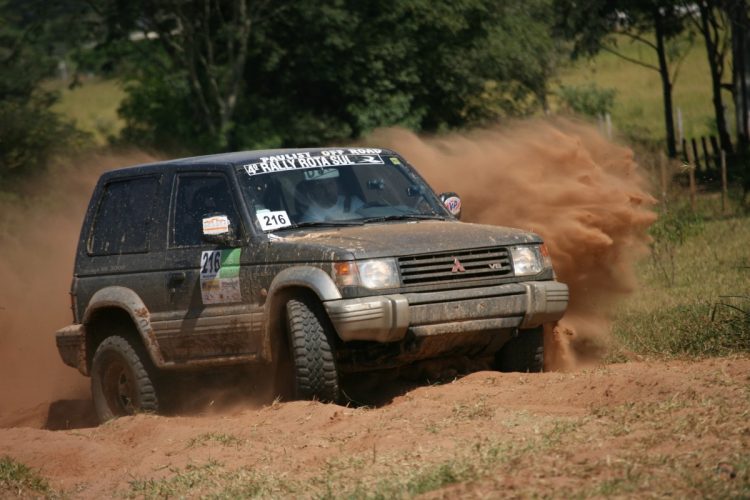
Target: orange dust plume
x,y
563,180
39,229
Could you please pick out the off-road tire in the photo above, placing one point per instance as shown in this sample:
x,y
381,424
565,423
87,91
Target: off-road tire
x,y
122,380
310,340
524,353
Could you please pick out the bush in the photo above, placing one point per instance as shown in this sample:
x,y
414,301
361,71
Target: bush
x,y
669,232
587,100
31,135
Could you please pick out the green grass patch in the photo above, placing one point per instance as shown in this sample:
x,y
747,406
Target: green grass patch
x,y
216,437
634,476
695,294
669,448
210,480
367,476
17,479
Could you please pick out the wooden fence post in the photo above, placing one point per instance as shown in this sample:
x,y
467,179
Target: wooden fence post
x,y
716,149
706,156
696,158
691,175
724,190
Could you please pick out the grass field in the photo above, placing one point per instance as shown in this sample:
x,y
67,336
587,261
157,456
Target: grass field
x,y
92,106
638,107
694,299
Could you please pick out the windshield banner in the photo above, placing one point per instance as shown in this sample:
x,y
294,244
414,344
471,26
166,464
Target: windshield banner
x,y
318,159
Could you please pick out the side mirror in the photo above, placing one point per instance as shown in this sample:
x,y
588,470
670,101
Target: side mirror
x,y
217,229
452,202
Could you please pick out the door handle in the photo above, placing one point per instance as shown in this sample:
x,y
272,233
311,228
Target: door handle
x,y
176,278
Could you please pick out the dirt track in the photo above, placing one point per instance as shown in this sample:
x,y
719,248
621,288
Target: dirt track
x,y
678,428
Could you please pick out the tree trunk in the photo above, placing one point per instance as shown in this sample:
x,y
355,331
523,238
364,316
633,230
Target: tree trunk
x,y
710,35
666,84
737,11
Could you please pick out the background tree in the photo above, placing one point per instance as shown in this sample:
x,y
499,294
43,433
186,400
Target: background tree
x,y
30,133
187,57
711,20
311,72
738,16
590,24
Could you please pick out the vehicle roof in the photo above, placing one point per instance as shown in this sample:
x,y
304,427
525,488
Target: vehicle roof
x,y
226,160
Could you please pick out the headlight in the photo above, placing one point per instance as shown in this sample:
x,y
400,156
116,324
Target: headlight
x,y
530,260
373,273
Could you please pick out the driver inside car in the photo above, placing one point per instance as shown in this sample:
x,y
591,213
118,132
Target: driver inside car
x,y
324,198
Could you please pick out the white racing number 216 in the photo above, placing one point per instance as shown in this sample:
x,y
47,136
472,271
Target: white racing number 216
x,y
273,220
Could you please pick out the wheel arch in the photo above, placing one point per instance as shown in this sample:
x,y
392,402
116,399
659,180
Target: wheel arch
x,y
109,310
298,281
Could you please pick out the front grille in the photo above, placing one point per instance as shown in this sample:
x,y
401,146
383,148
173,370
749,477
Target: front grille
x,y
453,266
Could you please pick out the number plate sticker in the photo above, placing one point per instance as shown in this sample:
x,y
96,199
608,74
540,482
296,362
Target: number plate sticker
x,y
273,220
220,276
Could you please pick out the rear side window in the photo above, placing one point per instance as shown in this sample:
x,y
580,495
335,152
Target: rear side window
x,y
122,220
197,197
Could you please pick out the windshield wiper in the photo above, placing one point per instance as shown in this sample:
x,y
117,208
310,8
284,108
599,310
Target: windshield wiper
x,y
404,217
323,223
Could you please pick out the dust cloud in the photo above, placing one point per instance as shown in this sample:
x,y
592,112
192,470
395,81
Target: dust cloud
x,y
584,195
39,229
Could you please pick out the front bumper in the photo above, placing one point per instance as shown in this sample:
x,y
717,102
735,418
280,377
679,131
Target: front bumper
x,y
71,344
387,318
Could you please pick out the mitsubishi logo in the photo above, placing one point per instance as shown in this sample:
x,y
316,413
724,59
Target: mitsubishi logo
x,y
457,266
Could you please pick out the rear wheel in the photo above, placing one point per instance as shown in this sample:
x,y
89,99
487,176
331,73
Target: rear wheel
x,y
524,353
121,380
311,342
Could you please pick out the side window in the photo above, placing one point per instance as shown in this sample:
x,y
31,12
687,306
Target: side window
x,y
122,220
198,196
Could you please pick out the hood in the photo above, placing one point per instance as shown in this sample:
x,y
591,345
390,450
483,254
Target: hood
x,y
391,239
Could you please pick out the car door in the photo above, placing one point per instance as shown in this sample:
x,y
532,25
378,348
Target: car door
x,y
209,318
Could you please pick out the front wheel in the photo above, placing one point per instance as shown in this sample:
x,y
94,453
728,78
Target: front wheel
x,y
121,383
524,353
311,341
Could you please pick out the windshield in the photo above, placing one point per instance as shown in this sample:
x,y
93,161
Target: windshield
x,y
335,187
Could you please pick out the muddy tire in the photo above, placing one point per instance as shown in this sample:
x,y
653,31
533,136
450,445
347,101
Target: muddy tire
x,y
311,344
121,380
524,353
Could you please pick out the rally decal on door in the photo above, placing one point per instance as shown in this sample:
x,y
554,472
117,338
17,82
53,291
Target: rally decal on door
x,y
220,276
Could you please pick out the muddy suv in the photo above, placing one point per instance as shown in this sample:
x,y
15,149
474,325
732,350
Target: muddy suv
x,y
322,262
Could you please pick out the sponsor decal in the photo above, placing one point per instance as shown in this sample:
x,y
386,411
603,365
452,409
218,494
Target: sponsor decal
x,y
220,276
457,266
218,224
453,204
325,158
